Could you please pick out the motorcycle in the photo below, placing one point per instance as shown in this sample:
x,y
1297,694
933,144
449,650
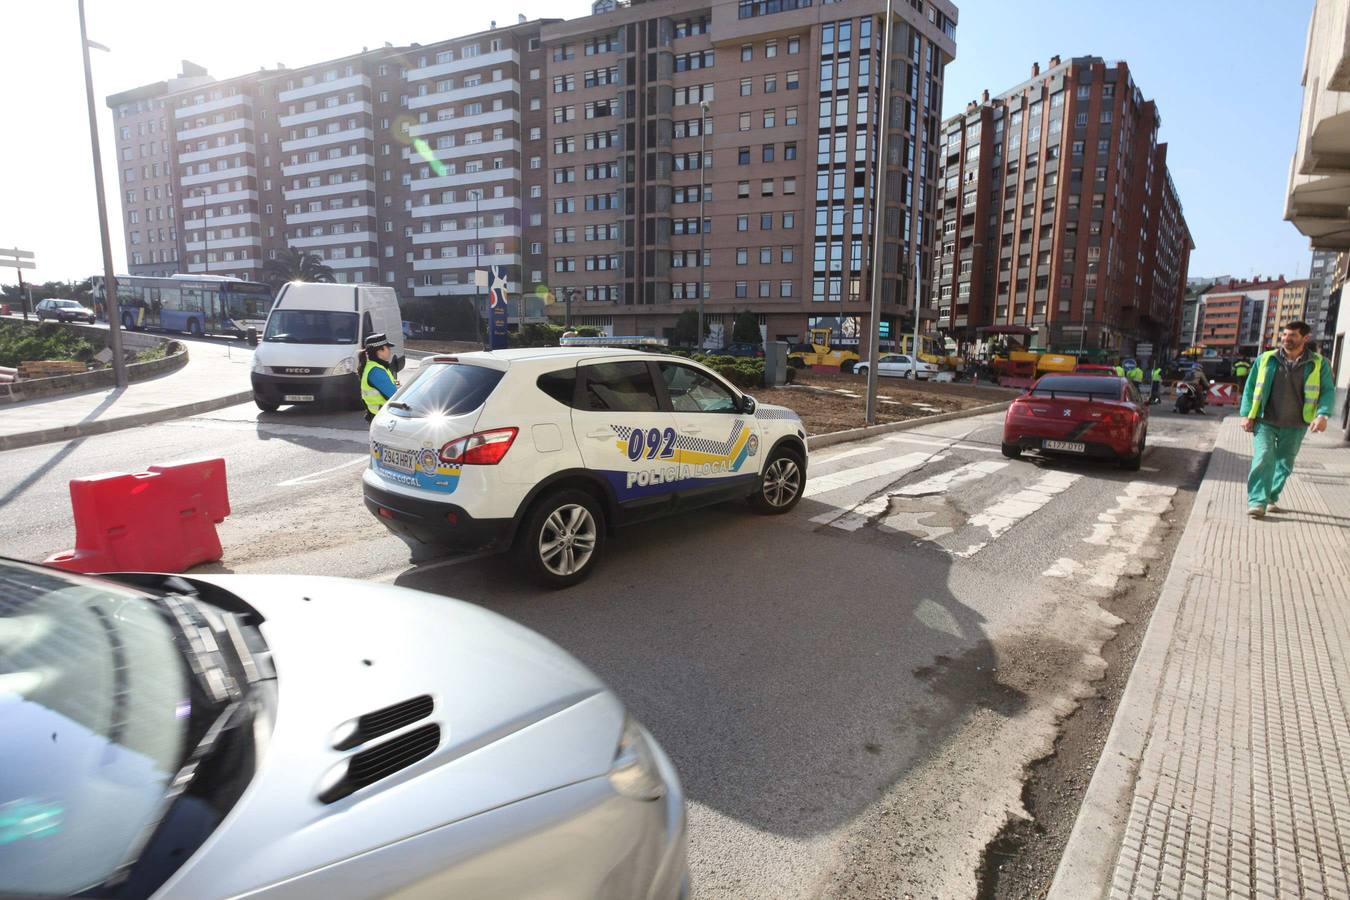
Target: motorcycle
x,y
1189,398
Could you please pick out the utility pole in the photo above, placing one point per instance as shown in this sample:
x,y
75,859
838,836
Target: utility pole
x,y
702,200
878,224
119,364
567,294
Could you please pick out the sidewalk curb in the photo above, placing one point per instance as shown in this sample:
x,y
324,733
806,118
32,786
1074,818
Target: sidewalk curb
x,y
1089,859
103,426
820,441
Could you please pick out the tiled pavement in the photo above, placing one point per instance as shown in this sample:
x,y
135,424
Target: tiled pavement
x,y
1227,772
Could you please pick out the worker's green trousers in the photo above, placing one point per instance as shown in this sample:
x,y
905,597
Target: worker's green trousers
x,y
1273,452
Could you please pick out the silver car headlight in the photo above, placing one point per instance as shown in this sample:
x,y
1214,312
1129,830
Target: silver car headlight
x,y
346,367
633,772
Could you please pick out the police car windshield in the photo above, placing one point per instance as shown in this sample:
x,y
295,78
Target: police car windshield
x,y
311,326
448,389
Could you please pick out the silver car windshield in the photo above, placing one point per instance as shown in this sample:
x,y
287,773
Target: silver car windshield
x,y
93,724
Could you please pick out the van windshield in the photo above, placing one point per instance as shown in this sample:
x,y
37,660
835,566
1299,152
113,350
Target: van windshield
x,y
311,326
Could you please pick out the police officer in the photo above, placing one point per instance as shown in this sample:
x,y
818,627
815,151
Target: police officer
x,y
1136,375
377,374
1155,384
1240,370
1120,370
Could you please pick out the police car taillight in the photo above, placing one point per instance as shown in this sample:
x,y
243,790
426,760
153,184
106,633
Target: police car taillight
x,y
486,448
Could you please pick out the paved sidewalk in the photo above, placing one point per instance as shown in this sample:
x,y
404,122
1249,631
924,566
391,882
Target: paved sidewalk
x,y
216,375
1227,770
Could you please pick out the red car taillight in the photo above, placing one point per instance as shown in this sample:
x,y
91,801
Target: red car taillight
x,y
486,448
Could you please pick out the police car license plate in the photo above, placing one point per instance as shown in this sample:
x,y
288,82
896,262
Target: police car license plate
x,y
298,398
403,460
1064,446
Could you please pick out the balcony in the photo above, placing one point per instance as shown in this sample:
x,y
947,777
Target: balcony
x,y
210,106
466,64
327,165
222,221
465,206
189,201
324,87
328,215
352,262
441,126
326,190
482,89
218,175
213,152
334,240
342,110
466,262
224,243
461,290
484,177
345,136
482,148
212,128
465,234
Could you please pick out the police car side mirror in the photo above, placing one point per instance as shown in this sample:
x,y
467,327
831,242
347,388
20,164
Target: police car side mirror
x,y
747,404
399,363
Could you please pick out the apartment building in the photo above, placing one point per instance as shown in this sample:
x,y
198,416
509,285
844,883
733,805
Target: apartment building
x,y
1288,304
146,147
1235,315
1059,215
1321,281
404,166
776,177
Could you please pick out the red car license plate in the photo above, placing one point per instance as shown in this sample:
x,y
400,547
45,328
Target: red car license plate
x,y
1064,446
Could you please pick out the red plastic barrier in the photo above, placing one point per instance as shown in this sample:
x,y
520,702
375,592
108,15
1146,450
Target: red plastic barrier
x,y
162,520
1223,394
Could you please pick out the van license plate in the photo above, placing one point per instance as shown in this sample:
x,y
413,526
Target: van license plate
x,y
1064,446
298,398
403,460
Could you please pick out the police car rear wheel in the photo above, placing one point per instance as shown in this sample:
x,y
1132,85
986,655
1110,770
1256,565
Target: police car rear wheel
x,y
781,487
562,538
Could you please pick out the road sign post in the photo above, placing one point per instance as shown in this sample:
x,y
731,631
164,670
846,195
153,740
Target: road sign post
x,y
499,316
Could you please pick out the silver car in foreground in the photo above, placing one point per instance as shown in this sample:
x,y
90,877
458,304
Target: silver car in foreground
x,y
219,736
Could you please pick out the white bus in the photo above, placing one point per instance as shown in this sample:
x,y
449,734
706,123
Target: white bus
x,y
192,304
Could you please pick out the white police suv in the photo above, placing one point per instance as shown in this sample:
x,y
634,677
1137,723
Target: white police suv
x,y
543,451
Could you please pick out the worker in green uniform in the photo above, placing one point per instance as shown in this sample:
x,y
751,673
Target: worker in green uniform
x,y
1291,393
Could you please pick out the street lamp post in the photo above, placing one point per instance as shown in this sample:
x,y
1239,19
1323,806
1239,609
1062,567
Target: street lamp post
x,y
119,365
878,227
477,224
702,200
567,294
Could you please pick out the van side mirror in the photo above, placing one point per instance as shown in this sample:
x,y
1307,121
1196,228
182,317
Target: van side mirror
x,y
747,404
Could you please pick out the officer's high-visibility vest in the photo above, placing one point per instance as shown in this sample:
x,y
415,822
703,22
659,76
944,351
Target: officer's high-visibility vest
x,y
1137,375
370,395
1312,388
1120,370
1156,376
1240,369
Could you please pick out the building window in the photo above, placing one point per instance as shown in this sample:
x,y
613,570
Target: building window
x,y
742,290
785,288
743,156
744,122
742,223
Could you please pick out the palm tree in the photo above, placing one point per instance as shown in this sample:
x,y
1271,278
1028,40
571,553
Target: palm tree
x,y
295,265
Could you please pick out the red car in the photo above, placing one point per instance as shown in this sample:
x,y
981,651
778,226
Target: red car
x,y
1079,415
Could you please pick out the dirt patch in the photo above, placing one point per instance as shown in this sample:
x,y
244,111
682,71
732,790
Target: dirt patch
x,y
1020,864
828,402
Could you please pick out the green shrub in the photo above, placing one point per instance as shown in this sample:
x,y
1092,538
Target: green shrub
x,y
46,342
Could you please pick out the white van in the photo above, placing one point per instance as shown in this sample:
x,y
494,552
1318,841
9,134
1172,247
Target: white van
x,y
308,349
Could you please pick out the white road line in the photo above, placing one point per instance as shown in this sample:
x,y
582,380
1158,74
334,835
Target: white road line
x,y
940,484
317,432
314,477
1015,507
947,444
845,454
858,516
849,477
1124,530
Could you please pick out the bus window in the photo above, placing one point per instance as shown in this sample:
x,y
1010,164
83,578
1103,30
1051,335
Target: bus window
x,y
169,298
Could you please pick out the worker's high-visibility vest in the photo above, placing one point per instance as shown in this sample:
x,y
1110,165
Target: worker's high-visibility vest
x,y
1157,375
1120,370
1240,369
370,395
1137,375
1312,388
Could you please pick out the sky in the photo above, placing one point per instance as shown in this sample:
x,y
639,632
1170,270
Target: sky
x,y
1225,75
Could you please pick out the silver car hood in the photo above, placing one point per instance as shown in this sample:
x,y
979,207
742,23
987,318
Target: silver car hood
x,y
518,717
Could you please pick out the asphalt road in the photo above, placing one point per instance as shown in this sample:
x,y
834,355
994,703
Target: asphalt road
x,y
850,692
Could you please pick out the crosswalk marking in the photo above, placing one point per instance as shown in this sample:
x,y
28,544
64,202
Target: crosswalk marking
x,y
848,477
944,443
845,454
940,484
1124,530
858,516
1013,508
